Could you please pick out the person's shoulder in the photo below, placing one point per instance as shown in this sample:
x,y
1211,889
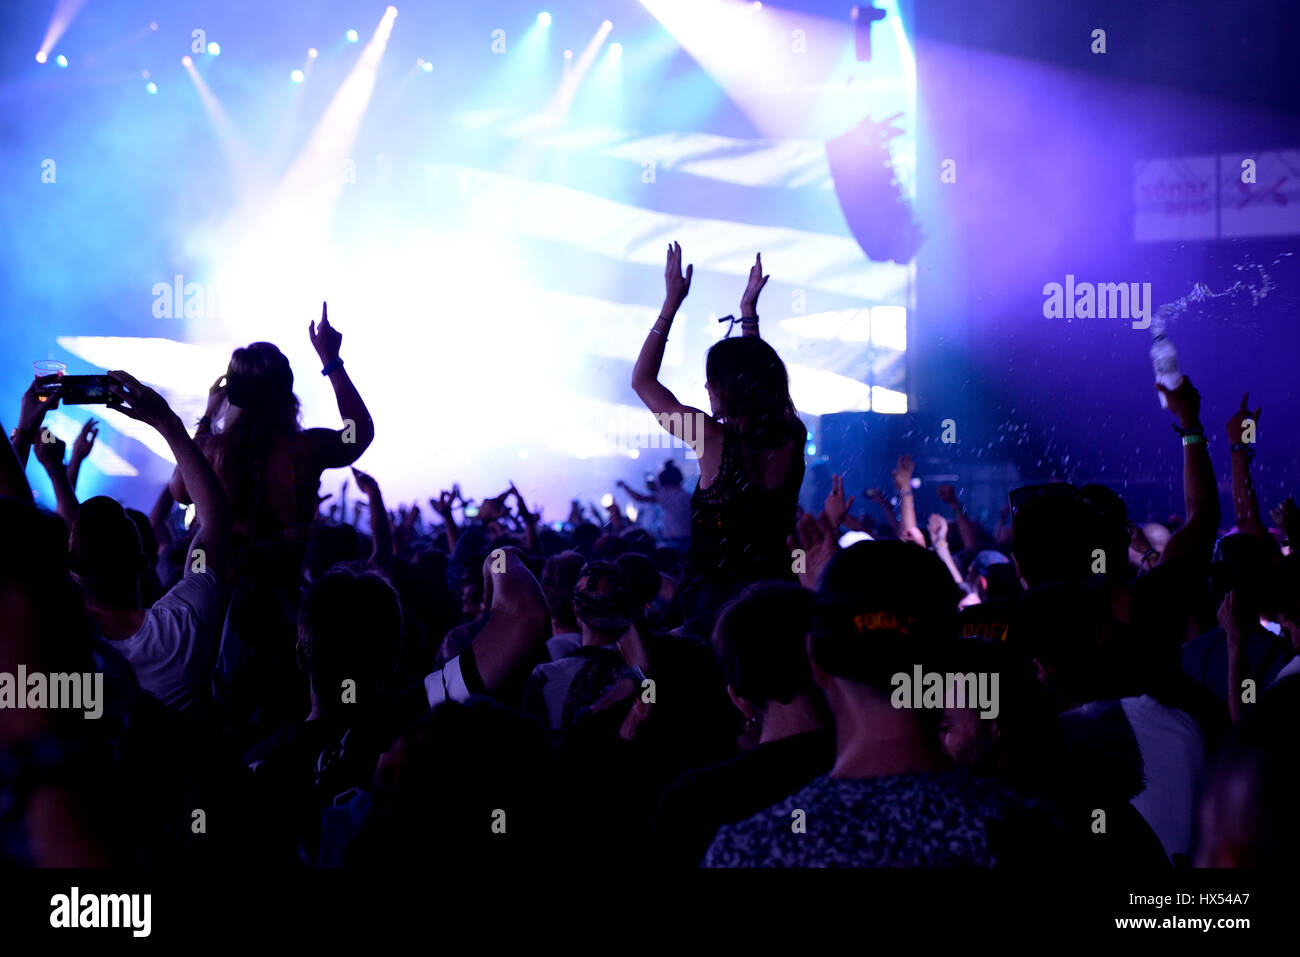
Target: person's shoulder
x,y
193,590
757,840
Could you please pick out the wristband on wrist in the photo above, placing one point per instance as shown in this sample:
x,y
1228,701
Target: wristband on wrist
x,y
1192,438
1243,447
335,363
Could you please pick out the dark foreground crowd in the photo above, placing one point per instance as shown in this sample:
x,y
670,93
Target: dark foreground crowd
x,y
736,689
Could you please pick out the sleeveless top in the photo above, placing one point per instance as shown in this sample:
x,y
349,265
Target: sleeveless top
x,y
738,529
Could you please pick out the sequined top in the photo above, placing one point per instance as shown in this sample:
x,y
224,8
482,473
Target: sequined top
x,y
738,529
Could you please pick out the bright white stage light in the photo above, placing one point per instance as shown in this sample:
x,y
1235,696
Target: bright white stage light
x,y
544,18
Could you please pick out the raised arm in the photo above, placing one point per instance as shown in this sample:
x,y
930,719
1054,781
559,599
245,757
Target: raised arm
x,y
30,416
443,506
159,515
529,519
518,618
210,547
674,417
908,530
1201,495
749,299
337,449
381,531
638,496
970,532
1241,440
836,507
880,498
202,434
81,446
939,542
49,452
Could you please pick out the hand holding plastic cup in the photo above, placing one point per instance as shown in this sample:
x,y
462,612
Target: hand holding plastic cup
x,y
48,373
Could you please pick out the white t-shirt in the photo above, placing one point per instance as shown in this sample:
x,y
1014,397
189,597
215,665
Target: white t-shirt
x,y
172,652
1173,759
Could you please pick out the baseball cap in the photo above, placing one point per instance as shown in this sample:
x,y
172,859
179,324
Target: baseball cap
x,y
879,603
602,599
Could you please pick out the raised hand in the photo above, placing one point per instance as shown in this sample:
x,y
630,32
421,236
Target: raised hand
x,y
948,495
137,401
85,440
216,395
49,449
819,540
443,503
677,283
836,508
1235,425
493,508
325,339
520,507
1184,402
903,474
35,404
749,299
366,485
938,530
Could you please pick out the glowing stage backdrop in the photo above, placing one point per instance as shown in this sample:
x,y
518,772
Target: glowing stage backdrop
x,y
483,195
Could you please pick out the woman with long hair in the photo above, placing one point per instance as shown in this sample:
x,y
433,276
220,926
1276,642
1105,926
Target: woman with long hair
x,y
269,464
271,469
750,447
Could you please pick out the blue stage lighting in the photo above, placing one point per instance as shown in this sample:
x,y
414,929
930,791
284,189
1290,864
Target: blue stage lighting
x,y
61,60
296,76
353,36
151,87
214,48
544,18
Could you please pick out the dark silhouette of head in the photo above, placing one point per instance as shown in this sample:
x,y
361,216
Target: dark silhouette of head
x,y
105,554
760,641
559,578
263,410
749,388
349,628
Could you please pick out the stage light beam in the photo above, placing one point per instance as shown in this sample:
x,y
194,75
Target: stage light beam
x,y
60,19
576,70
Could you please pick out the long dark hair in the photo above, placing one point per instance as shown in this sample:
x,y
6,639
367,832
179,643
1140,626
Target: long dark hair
x,y
263,411
753,390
